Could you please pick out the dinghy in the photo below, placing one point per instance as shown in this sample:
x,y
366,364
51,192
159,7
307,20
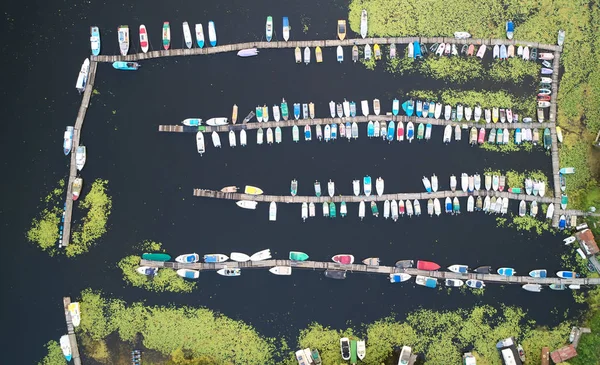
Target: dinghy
x,y
261,255
506,271
304,213
438,111
464,182
454,283
367,52
364,106
481,51
430,207
65,346
340,54
399,277
243,138
379,186
417,207
298,55
393,50
212,33
539,273
272,212
232,141
437,207
410,131
363,24
426,281
216,139
307,133
434,183
386,209
460,269
394,210
250,52
475,284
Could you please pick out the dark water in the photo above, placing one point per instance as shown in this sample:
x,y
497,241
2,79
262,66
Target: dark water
x,y
151,175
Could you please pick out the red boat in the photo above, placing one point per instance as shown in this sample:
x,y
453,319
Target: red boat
x,y
481,137
543,97
400,132
427,265
343,259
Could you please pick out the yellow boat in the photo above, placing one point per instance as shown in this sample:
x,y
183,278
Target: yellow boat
x,y
298,55
377,51
234,114
559,134
252,190
341,29
319,54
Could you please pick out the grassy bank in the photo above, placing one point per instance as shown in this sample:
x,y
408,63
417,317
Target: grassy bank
x,y
201,336
166,280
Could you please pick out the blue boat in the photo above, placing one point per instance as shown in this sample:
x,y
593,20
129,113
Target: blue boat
x,y
419,111
370,129
307,133
408,107
562,223
567,274
426,281
510,29
296,111
417,50
95,40
518,136
367,185
540,273
475,284
352,109
395,107
425,109
333,131
127,66
68,140
506,271
410,131
348,130
391,130
448,205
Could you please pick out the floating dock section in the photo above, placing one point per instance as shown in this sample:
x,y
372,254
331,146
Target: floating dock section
x,y
71,332
359,268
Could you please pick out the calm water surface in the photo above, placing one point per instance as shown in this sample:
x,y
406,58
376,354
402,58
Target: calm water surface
x,y
151,175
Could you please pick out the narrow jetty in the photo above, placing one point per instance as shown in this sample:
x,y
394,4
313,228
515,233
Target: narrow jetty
x,y
554,151
85,102
358,119
71,332
359,268
319,43
298,199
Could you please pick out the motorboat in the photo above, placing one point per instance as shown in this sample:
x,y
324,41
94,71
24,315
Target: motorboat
x,y
269,28
363,23
426,281
188,258
226,271
199,35
212,33
239,257
188,273
215,257
345,348
65,346
166,35
187,35
246,204
281,270
82,78
399,277
427,265
461,269
286,28
475,284
95,40
123,37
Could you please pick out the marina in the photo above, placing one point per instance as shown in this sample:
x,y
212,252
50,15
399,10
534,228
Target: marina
x,y
383,270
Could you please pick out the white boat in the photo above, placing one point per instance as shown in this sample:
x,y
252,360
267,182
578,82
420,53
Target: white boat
x,y
437,207
75,313
438,111
261,255
462,35
376,129
147,270
361,210
281,270
434,183
269,135
376,106
246,204
80,157
426,184
243,137
199,35
340,54
477,182
229,271
188,274
379,185
311,209
259,136
454,283
188,258
386,209
346,105
464,182
239,257
550,211
304,212
447,134
232,140
470,203
447,112
364,106
123,37
394,209
272,212
363,23
65,346
361,350
332,108
477,113
249,52
468,113
286,28
306,55
215,257
331,188
217,121
187,35
212,33
216,139
356,187
83,76
535,288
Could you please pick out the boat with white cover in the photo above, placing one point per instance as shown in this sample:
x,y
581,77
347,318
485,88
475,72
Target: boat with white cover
x,y
239,257
379,186
281,270
261,255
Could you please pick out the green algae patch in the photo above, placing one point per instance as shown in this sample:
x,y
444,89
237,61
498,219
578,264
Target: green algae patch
x,y
44,230
54,355
513,70
184,332
93,226
166,280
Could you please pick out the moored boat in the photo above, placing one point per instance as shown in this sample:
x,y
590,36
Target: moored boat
x,y
212,33
188,258
506,271
341,29
475,284
261,255
80,157
76,187
454,283
286,28
226,271
539,273
535,288
82,77
65,346
166,35
344,259
95,40
187,35
281,270
427,265
199,35
399,277
426,281
123,37
461,269
188,274
215,257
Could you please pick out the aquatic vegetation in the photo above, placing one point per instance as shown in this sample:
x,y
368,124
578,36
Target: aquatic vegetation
x,y
165,280
199,332
44,230
578,183
513,70
324,339
516,179
98,204
54,356
453,69
531,224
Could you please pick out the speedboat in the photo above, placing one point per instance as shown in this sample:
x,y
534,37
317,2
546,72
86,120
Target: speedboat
x,y
399,277
215,257
246,204
123,37
188,258
426,281
147,270
199,35
427,184
539,273
80,157
379,186
217,121
461,269
506,271
281,270
83,76
188,274
475,284
65,346
76,187
127,66
363,23
68,140
249,52
226,271
567,274
454,283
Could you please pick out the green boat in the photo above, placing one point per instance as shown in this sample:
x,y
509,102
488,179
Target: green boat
x,y
284,110
564,200
374,209
332,210
420,131
157,256
298,256
456,206
515,190
201,128
453,115
343,210
353,358
499,136
547,139
259,112
316,357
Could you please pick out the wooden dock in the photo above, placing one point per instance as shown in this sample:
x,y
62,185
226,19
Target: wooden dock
x,y
85,102
71,332
357,199
318,43
358,119
554,150
360,268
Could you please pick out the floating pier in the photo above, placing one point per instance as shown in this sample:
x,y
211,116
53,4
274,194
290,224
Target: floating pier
x,y
358,119
318,43
359,268
85,102
71,332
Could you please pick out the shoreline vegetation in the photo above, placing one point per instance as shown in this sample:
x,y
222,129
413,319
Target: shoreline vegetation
x,y
579,88
166,280
202,336
44,230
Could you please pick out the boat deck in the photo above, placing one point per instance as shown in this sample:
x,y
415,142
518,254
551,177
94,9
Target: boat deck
x,y
360,268
85,102
317,43
71,332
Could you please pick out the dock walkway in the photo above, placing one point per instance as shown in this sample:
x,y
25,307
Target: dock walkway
x,y
71,332
318,43
360,268
85,102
